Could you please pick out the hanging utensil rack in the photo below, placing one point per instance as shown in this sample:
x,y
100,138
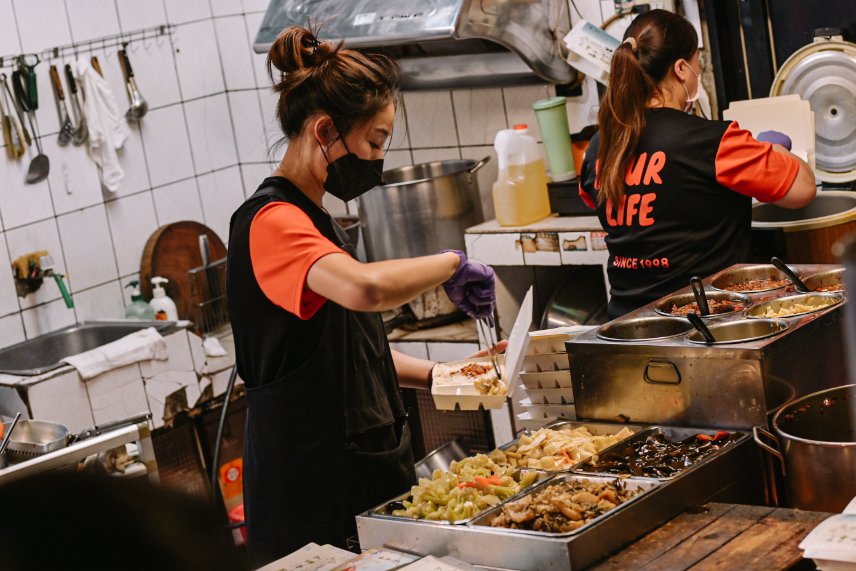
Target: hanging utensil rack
x,y
121,40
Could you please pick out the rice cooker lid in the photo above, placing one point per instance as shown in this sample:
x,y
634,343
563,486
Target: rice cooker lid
x,y
824,74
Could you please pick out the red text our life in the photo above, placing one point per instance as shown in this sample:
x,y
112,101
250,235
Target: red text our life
x,y
636,208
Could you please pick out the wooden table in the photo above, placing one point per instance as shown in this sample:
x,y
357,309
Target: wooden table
x,y
722,536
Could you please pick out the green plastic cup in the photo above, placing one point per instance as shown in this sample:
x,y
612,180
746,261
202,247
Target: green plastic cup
x,y
553,122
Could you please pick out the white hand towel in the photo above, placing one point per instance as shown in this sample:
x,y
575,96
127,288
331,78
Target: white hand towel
x,y
144,345
108,129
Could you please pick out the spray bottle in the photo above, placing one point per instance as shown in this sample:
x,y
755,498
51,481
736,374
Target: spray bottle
x,y
138,308
163,305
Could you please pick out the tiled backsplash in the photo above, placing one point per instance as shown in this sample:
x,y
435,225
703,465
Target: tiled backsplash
x,y
201,149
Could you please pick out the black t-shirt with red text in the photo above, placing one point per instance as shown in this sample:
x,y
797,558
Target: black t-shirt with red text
x,y
687,204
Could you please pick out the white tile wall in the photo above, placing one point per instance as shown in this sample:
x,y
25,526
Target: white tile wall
x,y
430,119
44,27
182,11
136,15
62,399
132,219
167,146
73,178
212,139
91,19
222,192
196,56
235,52
178,201
9,41
8,297
202,146
95,264
11,330
117,394
100,302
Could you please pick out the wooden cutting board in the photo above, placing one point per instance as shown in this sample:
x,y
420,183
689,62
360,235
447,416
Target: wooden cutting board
x,y
170,252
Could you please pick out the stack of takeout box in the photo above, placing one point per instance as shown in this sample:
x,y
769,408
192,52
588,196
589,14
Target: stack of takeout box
x,y
545,378
534,367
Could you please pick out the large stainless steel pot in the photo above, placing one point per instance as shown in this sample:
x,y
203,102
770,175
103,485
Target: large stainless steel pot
x,y
421,209
816,443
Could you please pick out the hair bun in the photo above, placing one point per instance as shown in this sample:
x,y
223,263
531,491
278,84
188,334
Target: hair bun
x,y
298,48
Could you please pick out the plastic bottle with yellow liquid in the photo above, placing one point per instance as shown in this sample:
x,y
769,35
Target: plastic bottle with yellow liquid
x,y
520,192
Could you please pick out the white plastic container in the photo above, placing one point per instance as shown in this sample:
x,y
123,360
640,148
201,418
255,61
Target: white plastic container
x,y
165,309
520,191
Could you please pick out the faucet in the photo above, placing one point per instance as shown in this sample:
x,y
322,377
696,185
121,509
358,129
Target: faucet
x,y
31,269
47,269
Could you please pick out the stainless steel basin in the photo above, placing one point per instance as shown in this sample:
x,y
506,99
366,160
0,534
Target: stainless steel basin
x,y
644,329
46,352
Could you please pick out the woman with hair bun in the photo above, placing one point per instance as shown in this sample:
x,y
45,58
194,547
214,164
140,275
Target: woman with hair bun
x,y
326,434
674,191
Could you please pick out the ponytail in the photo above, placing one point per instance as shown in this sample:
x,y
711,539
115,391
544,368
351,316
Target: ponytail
x,y
622,120
638,65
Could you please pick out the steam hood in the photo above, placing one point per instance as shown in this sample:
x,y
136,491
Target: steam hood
x,y
441,43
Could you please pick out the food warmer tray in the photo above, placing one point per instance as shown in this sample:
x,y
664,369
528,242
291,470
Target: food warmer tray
x,y
596,428
729,469
673,433
668,379
382,510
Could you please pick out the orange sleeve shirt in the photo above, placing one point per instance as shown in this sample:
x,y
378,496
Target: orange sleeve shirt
x,y
753,168
284,244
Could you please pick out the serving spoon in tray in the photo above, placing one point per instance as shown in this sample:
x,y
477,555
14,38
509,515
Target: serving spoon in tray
x,y
790,274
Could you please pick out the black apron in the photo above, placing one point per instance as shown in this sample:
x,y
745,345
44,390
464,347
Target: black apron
x,y
327,436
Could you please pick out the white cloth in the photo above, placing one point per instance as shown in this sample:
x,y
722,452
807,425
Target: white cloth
x,y
213,347
143,345
108,129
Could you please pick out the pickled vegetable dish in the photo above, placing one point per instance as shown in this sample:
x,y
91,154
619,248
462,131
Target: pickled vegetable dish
x,y
564,507
657,456
550,449
469,487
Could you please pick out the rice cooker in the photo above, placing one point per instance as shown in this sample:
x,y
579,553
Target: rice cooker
x,y
824,74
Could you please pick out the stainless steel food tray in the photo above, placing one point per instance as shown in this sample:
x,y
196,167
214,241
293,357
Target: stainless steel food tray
x,y
672,433
675,381
382,512
644,485
596,428
735,469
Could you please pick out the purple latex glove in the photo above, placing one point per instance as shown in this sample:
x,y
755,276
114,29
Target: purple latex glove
x,y
472,288
776,138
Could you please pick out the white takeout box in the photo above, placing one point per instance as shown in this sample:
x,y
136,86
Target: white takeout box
x,y
788,114
832,544
553,340
546,379
551,396
466,397
565,411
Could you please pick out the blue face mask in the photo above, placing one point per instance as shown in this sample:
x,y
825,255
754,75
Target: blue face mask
x,y
349,176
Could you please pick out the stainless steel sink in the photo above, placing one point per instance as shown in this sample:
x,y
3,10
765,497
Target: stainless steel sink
x,y
46,352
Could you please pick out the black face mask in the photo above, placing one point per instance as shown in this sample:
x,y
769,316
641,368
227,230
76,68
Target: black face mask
x,y
350,176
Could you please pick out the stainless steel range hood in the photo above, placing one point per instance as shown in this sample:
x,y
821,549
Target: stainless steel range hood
x,y
441,43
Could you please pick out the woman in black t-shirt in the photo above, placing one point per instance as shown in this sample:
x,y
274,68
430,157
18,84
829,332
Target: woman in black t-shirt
x,y
674,191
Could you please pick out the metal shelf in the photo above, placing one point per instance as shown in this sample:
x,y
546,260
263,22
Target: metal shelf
x,y
73,454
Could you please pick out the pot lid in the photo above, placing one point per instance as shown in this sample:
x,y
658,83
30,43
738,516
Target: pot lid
x,y
824,74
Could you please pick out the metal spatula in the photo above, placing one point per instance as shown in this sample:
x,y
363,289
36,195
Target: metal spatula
x,y
66,129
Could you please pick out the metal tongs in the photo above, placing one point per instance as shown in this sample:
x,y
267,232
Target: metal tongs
x,y
489,334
